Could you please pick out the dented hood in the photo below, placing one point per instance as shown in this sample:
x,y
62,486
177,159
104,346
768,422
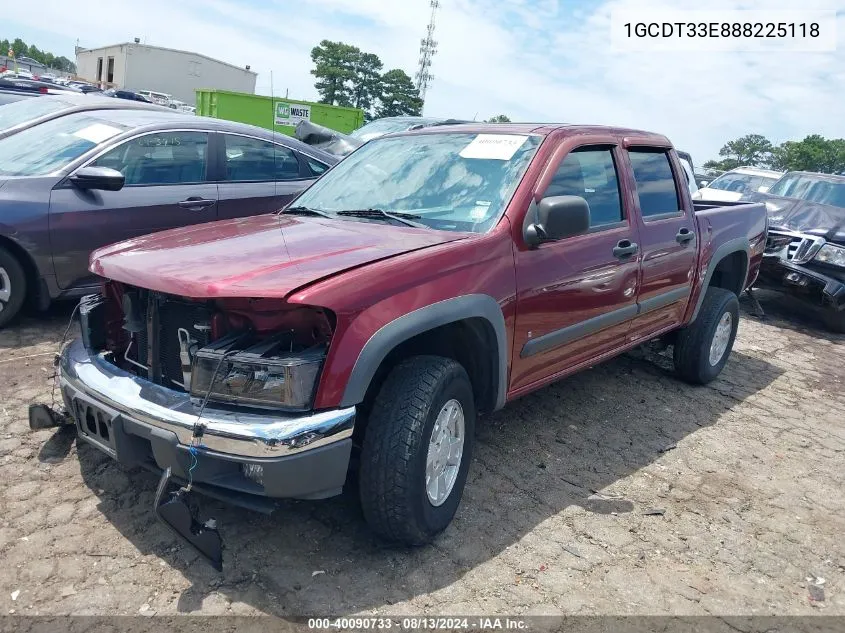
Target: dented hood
x,y
803,216
262,256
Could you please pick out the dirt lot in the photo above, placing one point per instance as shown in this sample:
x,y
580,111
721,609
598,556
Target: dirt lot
x,y
750,472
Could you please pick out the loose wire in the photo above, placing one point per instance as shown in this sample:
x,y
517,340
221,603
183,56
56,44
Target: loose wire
x,y
56,364
199,427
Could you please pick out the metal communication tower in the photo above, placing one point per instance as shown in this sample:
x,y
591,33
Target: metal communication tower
x,y
428,48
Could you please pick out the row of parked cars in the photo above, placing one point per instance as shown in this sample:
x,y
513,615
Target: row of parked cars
x,y
806,252
18,85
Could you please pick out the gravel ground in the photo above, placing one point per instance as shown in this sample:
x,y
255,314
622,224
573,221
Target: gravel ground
x,y
617,491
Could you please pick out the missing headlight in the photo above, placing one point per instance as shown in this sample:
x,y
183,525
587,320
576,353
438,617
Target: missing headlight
x,y
268,373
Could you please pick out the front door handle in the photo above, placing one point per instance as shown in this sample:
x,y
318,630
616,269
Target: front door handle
x,y
195,203
684,236
625,248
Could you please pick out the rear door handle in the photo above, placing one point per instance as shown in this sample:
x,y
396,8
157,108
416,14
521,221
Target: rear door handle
x,y
684,236
625,248
196,203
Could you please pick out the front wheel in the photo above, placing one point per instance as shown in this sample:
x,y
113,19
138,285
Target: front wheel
x,y
12,287
417,449
702,348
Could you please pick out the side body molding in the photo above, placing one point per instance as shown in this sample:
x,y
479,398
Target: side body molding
x,y
419,321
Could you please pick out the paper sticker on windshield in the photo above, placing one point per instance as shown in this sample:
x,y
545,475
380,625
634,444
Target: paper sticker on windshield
x,y
479,211
97,132
493,146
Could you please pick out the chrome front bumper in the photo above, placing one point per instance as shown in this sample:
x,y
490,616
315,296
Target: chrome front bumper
x,y
240,433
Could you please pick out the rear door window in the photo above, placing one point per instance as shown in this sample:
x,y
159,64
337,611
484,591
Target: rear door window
x,y
251,159
656,187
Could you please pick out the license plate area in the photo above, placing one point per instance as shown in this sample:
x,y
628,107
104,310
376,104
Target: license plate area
x,y
94,424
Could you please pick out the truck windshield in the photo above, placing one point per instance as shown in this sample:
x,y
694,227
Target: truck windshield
x,y
380,127
819,189
453,182
741,183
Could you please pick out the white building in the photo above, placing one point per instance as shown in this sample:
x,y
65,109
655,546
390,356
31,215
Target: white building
x,y
136,66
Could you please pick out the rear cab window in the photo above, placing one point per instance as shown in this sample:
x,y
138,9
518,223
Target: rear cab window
x,y
657,188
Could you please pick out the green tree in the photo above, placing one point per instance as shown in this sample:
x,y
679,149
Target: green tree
x,y
334,64
399,96
753,150
499,118
814,153
4,47
20,47
366,80
35,54
713,164
64,64
49,60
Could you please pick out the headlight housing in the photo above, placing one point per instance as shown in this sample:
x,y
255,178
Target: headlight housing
x,y
832,255
270,373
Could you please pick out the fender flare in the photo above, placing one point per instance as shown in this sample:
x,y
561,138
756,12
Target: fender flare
x,y
407,326
736,245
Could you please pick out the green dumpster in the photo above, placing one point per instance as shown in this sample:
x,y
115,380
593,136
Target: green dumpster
x,y
278,113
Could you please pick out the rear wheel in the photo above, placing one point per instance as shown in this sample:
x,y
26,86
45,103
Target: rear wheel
x,y
417,449
12,287
703,347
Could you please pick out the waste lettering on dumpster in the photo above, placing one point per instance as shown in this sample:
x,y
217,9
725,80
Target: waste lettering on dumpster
x,y
291,113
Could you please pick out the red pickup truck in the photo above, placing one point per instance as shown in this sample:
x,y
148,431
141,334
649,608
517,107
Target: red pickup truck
x,y
430,277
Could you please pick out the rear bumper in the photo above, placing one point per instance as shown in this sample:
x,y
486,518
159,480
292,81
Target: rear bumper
x,y
259,454
808,284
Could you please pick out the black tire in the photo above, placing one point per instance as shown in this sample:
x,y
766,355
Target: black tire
x,y
834,320
692,347
391,480
11,273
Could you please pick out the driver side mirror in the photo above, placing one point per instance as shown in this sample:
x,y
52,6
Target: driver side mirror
x,y
762,189
104,178
703,183
556,218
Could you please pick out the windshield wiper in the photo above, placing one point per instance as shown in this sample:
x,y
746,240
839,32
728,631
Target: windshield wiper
x,y
306,211
378,214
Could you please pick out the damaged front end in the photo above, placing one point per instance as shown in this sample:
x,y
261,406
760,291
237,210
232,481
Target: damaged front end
x,y
215,395
165,339
808,267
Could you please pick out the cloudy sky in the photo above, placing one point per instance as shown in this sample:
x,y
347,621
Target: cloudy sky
x,y
534,60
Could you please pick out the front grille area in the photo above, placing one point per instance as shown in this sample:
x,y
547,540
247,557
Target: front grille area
x,y
174,316
157,321
92,422
793,247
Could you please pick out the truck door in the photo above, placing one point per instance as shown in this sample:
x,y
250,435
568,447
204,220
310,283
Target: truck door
x,y
576,297
667,239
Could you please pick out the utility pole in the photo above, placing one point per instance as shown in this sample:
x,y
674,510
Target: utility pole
x,y
428,49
